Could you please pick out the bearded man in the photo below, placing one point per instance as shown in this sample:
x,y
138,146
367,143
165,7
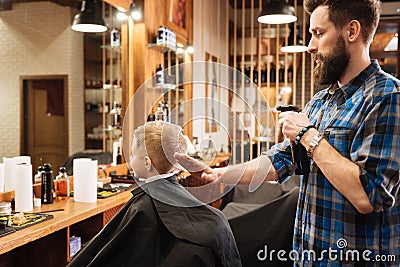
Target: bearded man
x,y
348,210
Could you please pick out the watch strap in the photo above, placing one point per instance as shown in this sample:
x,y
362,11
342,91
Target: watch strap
x,y
313,144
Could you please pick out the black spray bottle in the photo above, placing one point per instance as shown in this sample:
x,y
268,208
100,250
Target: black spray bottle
x,y
47,184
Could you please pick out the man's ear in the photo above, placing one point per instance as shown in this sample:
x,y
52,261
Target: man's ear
x,y
147,163
353,31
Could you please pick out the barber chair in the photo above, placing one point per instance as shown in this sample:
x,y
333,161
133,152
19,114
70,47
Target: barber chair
x,y
101,157
263,221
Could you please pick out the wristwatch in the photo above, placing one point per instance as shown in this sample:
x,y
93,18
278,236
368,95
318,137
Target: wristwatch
x,y
313,144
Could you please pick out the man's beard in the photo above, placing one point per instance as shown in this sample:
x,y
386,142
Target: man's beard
x,y
332,66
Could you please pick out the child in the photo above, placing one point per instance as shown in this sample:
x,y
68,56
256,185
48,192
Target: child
x,y
162,224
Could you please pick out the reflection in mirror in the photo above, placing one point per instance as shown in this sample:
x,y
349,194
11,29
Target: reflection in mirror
x,y
38,48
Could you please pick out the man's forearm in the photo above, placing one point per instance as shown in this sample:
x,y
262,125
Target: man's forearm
x,y
342,173
254,171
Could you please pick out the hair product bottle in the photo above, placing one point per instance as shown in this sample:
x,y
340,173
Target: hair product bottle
x,y
47,184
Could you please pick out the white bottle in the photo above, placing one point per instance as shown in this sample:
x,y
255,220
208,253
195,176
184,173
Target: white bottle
x,y
160,112
115,115
159,76
160,36
115,38
167,36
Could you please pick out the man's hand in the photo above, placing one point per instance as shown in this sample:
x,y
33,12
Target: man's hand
x,y
198,169
292,123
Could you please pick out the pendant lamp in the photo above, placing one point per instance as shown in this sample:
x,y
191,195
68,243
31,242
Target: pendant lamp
x,y
277,12
90,18
294,46
393,44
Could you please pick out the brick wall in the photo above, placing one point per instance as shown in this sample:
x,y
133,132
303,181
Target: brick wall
x,y
36,39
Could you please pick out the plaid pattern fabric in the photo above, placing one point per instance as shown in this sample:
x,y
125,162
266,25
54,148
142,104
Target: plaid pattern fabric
x,y
361,120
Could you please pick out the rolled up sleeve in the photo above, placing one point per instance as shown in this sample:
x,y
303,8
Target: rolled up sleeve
x,y
378,152
281,158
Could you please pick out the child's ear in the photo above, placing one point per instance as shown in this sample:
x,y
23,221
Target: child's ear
x,y
147,163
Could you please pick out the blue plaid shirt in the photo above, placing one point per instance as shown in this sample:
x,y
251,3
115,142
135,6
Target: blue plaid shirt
x,y
361,120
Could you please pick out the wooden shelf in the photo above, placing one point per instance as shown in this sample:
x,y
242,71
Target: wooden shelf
x,y
161,48
264,58
166,88
93,87
94,138
116,49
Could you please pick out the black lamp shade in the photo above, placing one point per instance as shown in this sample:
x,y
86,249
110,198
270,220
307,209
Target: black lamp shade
x,y
277,12
90,18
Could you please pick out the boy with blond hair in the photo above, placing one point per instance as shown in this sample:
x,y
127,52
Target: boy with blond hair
x,y
162,224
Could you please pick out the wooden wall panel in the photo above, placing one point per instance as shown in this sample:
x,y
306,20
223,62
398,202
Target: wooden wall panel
x,y
120,3
140,62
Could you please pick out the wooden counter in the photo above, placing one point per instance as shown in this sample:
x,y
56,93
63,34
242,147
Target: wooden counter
x,y
47,243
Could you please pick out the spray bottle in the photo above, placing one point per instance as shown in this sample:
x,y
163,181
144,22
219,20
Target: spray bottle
x,y
299,152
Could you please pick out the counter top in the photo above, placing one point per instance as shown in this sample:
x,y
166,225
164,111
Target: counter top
x,y
73,212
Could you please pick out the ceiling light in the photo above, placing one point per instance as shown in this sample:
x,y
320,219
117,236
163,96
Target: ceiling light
x,y
121,16
294,46
180,50
136,12
393,44
121,9
190,49
277,12
89,19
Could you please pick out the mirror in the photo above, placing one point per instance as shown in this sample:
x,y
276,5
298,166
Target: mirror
x,y
38,46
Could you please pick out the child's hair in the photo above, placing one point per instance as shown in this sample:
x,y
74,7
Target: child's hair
x,y
159,141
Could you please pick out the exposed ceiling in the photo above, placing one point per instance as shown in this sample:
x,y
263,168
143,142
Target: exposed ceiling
x,y
388,26
7,4
256,3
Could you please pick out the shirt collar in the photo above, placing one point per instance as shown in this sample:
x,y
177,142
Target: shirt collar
x,y
351,87
158,177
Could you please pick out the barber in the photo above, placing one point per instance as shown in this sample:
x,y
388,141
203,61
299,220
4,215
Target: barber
x,y
349,200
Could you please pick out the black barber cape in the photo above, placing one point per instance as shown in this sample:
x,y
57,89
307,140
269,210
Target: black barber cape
x,y
162,225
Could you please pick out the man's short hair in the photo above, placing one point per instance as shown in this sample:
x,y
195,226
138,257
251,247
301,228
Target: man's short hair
x,y
341,12
159,141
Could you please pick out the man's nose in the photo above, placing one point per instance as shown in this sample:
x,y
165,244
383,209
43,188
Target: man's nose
x,y
312,47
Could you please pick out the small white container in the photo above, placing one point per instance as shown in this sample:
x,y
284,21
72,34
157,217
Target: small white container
x,y
37,202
